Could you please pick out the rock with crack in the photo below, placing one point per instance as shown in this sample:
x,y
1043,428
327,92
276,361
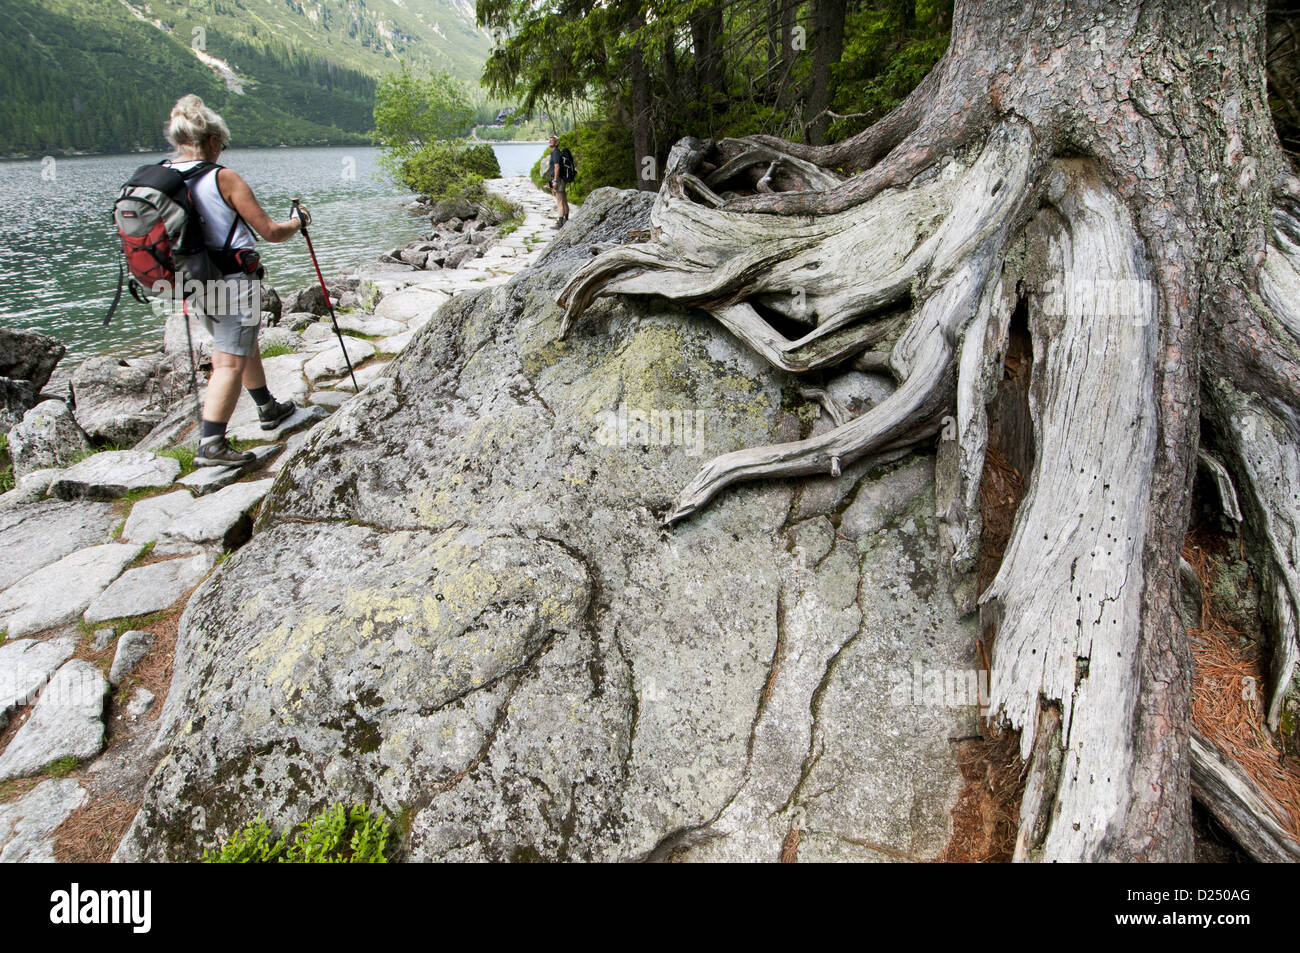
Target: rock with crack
x,y
219,520
519,657
331,360
180,419
27,825
121,400
59,593
46,438
363,377
67,722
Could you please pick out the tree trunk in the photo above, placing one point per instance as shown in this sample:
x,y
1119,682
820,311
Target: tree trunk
x,y
706,31
643,144
828,45
1110,169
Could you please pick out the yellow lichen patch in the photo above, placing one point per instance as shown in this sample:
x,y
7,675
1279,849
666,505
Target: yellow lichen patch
x,y
747,397
548,355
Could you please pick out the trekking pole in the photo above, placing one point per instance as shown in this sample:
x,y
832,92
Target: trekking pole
x,y
328,303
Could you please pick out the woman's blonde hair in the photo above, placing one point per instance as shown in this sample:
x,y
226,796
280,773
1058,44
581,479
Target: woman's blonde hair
x,y
192,122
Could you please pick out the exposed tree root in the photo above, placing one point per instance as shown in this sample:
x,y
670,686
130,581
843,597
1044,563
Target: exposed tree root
x,y
874,143
936,243
1067,598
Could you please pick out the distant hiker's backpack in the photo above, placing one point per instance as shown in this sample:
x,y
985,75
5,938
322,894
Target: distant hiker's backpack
x,y
162,233
568,168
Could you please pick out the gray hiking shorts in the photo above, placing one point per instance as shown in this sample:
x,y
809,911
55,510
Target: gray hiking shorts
x,y
232,313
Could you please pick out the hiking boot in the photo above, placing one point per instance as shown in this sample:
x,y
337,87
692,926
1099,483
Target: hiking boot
x,y
217,452
275,412
560,222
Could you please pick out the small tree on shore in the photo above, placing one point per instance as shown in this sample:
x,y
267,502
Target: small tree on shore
x,y
422,122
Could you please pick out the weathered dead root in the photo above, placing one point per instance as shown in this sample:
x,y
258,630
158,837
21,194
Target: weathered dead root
x,y
935,244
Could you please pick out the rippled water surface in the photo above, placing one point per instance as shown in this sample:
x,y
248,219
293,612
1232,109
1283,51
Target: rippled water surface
x,y
59,252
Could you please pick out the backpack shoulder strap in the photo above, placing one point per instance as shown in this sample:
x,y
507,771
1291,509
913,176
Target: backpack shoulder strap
x,y
230,235
199,170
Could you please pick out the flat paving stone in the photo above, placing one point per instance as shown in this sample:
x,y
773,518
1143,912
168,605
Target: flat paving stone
x,y
149,589
66,722
27,825
371,325
207,480
331,361
301,419
319,333
59,593
149,516
113,473
25,666
283,379
411,302
396,344
37,534
329,398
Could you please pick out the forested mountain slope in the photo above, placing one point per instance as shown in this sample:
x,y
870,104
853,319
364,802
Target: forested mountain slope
x,y
100,75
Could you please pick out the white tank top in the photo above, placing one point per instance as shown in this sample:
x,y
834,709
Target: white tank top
x,y
217,215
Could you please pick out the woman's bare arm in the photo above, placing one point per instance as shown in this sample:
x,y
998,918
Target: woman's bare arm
x,y
239,196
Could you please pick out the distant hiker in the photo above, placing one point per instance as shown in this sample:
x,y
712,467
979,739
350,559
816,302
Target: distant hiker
x,y
558,169
228,209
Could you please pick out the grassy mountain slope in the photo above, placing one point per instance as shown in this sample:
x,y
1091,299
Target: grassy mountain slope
x,y
101,75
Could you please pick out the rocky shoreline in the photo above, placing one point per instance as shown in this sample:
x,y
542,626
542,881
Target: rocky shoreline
x,y
109,526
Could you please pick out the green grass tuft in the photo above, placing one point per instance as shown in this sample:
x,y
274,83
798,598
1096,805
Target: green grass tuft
x,y
62,767
7,468
144,554
182,455
276,350
338,835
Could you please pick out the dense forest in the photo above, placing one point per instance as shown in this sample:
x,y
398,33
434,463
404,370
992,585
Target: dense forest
x,y
641,74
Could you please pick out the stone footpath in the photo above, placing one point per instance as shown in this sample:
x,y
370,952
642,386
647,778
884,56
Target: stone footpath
x,y
98,549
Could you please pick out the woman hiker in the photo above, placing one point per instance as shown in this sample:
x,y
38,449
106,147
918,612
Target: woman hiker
x,y
228,209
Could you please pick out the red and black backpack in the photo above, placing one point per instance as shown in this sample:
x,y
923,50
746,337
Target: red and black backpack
x,y
162,232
